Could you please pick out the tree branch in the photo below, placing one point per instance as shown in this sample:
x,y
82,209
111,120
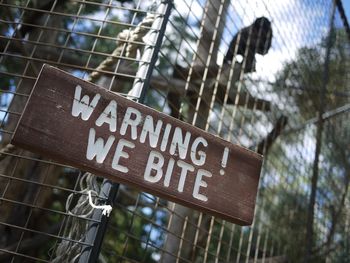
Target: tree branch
x,y
265,144
175,84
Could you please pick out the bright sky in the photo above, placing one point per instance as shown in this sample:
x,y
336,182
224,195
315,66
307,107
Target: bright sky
x,y
296,24
346,4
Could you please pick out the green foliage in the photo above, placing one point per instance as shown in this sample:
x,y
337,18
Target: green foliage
x,y
303,78
130,232
302,81
127,237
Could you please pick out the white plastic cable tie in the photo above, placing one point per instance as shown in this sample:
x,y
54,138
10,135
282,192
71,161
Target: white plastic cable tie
x,y
107,209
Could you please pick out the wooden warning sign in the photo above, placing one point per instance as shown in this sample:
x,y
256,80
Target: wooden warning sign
x,y
80,124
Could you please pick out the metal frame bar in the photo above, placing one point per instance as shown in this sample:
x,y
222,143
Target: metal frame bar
x,y
109,190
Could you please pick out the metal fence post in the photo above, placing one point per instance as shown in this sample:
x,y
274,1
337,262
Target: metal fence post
x,y
109,190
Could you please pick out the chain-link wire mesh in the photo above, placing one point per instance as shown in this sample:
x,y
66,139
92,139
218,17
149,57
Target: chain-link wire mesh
x,y
272,76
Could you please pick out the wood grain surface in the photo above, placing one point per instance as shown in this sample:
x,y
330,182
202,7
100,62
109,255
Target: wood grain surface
x,y
80,124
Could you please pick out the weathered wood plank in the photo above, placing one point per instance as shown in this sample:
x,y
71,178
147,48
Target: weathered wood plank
x,y
67,118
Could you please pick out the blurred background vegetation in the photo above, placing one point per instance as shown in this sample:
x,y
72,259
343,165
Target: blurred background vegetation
x,y
302,128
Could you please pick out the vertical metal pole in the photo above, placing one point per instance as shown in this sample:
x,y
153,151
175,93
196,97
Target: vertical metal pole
x,y
96,231
150,53
315,170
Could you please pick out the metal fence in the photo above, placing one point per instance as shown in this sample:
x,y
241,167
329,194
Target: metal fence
x,y
213,67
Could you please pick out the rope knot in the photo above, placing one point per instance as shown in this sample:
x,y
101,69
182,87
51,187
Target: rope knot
x,y
107,209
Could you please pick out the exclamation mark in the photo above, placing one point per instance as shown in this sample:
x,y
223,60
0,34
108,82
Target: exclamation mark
x,y
224,160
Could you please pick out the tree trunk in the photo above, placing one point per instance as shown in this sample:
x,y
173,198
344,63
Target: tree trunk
x,y
31,170
182,226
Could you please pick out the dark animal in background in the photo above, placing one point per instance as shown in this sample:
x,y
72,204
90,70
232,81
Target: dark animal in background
x,y
250,40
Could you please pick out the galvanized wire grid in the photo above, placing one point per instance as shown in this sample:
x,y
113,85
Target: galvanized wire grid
x,y
303,81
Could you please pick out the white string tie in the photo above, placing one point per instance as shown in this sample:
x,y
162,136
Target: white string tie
x,y
107,209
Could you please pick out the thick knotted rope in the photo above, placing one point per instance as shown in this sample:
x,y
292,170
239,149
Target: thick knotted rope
x,y
76,226
128,43
9,148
